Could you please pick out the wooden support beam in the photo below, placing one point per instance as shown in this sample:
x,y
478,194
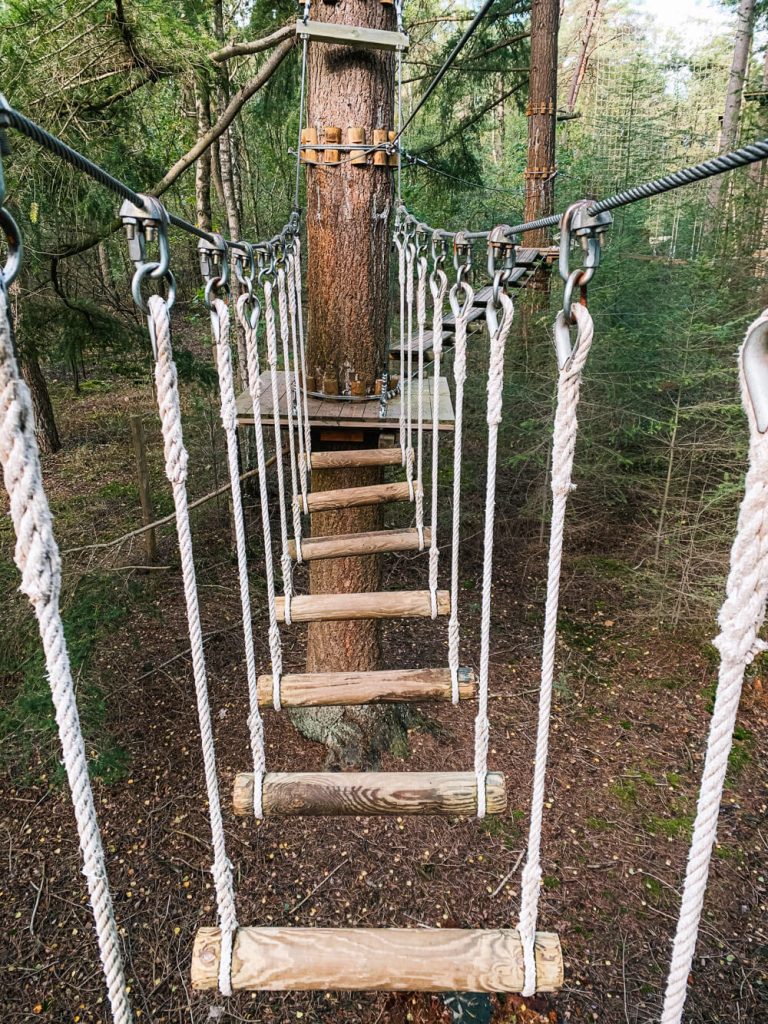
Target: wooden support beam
x,y
351,35
389,604
356,497
377,959
361,457
326,689
453,794
377,542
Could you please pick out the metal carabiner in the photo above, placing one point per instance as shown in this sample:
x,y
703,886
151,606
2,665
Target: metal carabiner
x,y
754,361
590,229
146,270
501,247
147,224
462,258
214,266
265,263
420,241
245,266
15,243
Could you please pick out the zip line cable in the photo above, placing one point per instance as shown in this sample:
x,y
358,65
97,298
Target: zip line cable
x,y
469,32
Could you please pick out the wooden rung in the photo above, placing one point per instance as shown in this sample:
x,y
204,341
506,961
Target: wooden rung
x,y
429,344
377,959
355,497
361,457
324,689
351,35
342,793
348,544
389,604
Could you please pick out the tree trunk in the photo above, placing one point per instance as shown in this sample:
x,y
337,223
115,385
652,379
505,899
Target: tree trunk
x,y
348,216
734,94
542,114
45,422
581,66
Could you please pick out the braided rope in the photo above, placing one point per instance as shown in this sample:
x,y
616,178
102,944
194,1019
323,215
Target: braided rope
x,y
498,337
421,319
563,448
37,558
285,558
410,252
302,355
282,303
401,294
220,329
740,620
298,377
438,285
460,376
176,460
254,385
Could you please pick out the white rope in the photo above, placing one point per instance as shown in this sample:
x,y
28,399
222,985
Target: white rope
x,y
176,470
410,252
460,375
254,385
302,352
498,337
299,375
438,285
37,558
740,620
421,318
285,558
220,329
399,243
282,303
563,447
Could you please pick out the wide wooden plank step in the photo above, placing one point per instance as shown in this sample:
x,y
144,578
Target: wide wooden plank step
x,y
349,793
361,457
515,280
377,959
356,497
345,544
323,689
388,604
429,344
449,323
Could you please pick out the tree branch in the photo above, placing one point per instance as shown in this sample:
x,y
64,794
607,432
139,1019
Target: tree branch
x,y
253,46
225,119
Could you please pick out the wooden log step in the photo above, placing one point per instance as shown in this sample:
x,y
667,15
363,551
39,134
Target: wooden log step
x,y
377,959
449,323
453,794
323,689
388,604
346,544
361,457
356,497
429,344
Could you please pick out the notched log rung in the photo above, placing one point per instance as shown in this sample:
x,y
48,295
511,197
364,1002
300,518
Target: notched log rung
x,y
323,689
453,794
377,959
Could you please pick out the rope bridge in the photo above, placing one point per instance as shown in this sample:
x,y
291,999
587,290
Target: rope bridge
x,y
267,279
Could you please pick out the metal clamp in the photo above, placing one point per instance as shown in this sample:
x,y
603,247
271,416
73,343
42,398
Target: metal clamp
x,y
142,225
462,258
214,266
502,256
590,230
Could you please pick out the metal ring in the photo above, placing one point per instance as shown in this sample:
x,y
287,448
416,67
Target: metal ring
x,y
15,243
147,270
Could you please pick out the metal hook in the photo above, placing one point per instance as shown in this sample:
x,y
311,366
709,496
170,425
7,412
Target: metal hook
x,y
15,243
754,361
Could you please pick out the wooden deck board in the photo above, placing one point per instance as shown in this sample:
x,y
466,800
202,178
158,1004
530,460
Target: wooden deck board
x,y
329,412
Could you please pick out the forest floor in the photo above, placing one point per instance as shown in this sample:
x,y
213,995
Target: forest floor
x,y
629,725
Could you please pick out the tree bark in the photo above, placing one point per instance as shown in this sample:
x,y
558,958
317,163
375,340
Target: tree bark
x,y
203,165
581,66
734,93
46,430
348,217
542,115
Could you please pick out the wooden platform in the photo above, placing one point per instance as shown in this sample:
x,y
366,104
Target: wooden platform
x,y
330,412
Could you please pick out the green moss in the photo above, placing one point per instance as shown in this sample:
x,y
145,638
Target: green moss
x,y
626,791
671,827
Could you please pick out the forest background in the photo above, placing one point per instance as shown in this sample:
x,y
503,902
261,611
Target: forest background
x,y
142,88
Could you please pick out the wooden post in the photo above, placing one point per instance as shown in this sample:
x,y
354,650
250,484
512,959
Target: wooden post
x,y
356,133
145,493
332,135
380,158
